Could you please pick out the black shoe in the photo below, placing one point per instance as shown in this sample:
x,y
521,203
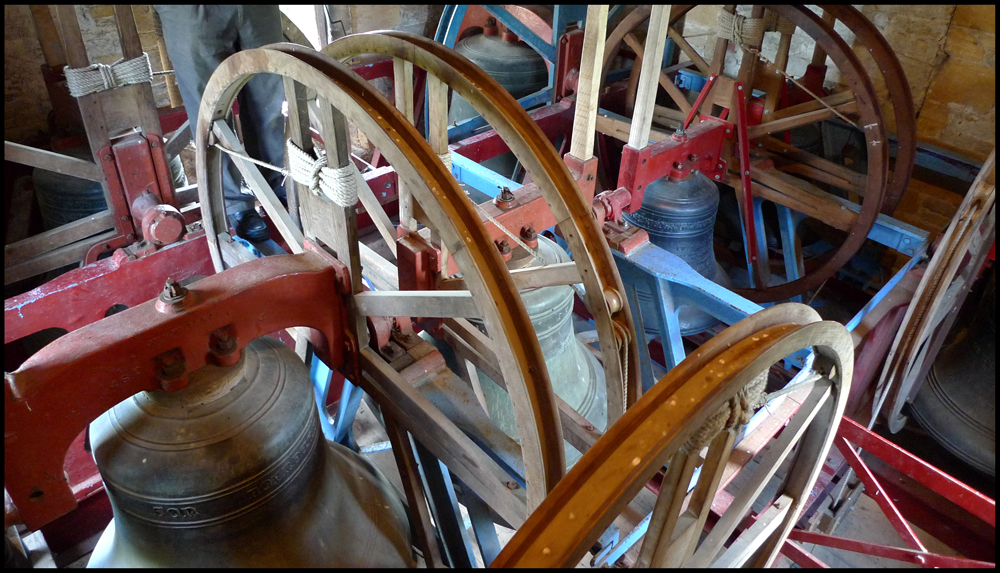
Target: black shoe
x,y
251,227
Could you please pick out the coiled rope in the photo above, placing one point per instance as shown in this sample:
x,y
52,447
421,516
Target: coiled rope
x,y
101,77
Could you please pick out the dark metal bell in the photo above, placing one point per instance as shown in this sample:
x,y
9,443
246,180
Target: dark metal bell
x,y
232,471
679,216
957,403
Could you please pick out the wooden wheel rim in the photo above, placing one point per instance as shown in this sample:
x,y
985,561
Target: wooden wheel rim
x,y
528,143
875,138
459,226
585,502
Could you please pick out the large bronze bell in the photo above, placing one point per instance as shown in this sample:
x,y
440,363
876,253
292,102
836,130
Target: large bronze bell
x,y
679,215
232,471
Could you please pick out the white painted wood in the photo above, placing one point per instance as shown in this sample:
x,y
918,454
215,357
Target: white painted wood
x,y
649,77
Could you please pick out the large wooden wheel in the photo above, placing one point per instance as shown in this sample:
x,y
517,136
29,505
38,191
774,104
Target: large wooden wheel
x,y
593,259
699,406
792,184
491,292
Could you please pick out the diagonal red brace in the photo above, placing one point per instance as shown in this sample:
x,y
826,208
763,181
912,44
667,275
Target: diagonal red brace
x,y
744,149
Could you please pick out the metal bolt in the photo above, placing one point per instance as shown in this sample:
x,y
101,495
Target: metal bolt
x,y
130,237
388,185
767,111
124,217
107,157
223,344
739,88
746,173
173,292
154,144
728,131
718,177
503,246
528,233
383,193
506,194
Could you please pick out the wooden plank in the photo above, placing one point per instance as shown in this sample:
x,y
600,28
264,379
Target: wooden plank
x,y
804,157
377,269
832,100
438,434
261,188
56,162
402,74
618,129
813,204
374,208
58,237
178,140
791,122
589,85
673,490
48,36
423,529
233,253
532,277
72,253
751,540
416,303
148,116
642,117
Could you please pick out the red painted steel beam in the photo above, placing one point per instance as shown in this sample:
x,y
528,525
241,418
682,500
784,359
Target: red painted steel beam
x,y
875,491
554,120
747,196
83,296
922,558
52,397
954,490
801,557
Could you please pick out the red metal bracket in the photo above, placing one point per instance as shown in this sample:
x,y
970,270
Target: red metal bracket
x,y
697,103
567,72
698,150
70,382
746,198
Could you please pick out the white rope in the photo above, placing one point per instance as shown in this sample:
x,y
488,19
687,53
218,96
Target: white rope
x,y
338,184
100,77
252,160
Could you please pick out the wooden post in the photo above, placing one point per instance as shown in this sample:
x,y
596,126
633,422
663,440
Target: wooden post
x,y
649,76
589,86
402,74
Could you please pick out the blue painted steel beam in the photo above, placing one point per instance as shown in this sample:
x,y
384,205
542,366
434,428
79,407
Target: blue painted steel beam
x,y
544,49
478,177
444,507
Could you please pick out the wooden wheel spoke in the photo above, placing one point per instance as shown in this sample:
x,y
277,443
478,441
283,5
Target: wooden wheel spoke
x,y
754,538
665,81
260,187
689,51
818,395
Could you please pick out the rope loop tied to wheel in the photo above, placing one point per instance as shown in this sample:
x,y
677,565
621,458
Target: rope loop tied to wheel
x,y
101,77
746,32
339,184
733,414
777,23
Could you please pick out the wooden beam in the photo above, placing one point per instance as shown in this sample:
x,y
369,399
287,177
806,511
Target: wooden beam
x,y
689,51
642,118
619,129
58,237
60,257
414,303
589,85
791,122
56,162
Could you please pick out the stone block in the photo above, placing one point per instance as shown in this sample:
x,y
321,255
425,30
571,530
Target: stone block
x,y
964,44
931,120
979,17
102,11
966,83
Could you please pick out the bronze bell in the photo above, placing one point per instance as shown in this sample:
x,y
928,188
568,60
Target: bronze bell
x,y
679,215
232,471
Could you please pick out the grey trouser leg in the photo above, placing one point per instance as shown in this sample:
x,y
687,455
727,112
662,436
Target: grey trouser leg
x,y
198,39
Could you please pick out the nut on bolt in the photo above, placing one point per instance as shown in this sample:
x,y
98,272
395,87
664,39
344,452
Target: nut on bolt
x,y
529,236
173,292
505,200
504,247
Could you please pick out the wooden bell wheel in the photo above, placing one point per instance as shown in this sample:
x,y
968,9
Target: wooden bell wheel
x,y
594,264
791,184
699,406
342,95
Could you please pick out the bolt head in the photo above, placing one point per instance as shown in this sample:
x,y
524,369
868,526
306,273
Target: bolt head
x,y
718,177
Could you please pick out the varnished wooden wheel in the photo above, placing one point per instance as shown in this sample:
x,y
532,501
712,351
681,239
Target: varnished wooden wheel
x,y
342,95
672,422
593,260
779,185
